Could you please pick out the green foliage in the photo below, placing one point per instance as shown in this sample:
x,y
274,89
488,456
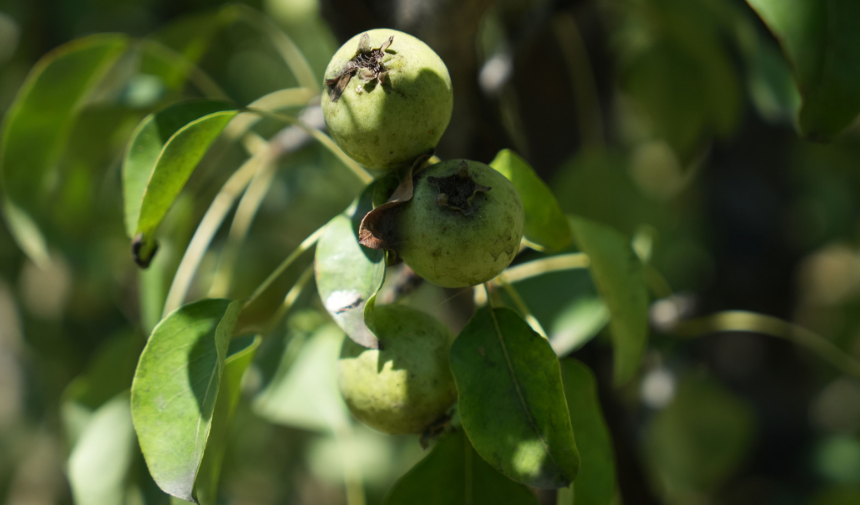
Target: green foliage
x,y
516,419
453,473
596,482
620,281
303,392
821,41
100,461
699,439
164,151
545,225
177,383
348,274
37,126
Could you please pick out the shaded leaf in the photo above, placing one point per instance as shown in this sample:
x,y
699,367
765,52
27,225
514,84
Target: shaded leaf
x,y
99,463
174,49
619,277
108,373
512,400
37,126
596,483
304,391
821,40
348,274
454,474
546,224
240,354
164,152
695,443
175,389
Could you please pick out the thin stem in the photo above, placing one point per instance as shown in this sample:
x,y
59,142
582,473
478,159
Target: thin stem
x,y
289,260
245,213
290,300
285,46
321,137
281,99
207,228
196,75
522,307
546,265
584,85
737,320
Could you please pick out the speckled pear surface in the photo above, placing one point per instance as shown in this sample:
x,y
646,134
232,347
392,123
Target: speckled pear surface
x,y
387,125
454,247
408,384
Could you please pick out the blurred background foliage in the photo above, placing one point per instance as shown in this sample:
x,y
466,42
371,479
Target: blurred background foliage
x,y
671,120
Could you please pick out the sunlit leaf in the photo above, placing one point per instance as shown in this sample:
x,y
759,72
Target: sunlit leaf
x,y
821,40
581,321
348,274
512,400
595,484
304,393
454,474
166,149
175,389
620,281
239,356
100,461
546,224
37,126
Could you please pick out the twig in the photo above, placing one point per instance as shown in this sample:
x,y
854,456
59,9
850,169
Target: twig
x,y
522,307
324,139
736,320
207,228
304,246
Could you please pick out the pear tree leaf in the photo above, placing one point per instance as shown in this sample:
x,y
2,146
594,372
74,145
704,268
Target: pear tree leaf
x,y
821,41
620,280
454,474
175,388
240,354
164,151
349,274
37,126
546,224
304,392
101,459
512,401
596,483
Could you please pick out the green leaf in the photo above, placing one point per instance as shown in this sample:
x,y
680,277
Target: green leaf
x,y
348,274
695,443
619,277
37,127
546,224
304,392
596,484
174,49
175,388
512,400
100,461
581,321
240,354
108,373
166,148
454,474
821,40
